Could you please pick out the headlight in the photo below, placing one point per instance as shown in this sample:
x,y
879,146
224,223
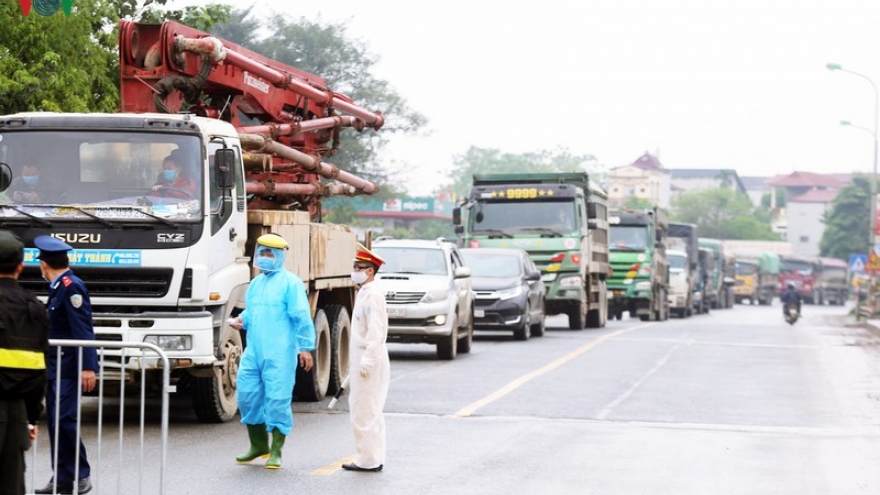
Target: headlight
x,y
570,282
509,293
170,342
434,296
440,319
643,285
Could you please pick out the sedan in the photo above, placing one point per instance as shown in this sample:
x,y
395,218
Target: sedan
x,y
508,289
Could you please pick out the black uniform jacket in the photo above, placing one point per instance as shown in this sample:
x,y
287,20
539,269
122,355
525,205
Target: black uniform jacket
x,y
24,338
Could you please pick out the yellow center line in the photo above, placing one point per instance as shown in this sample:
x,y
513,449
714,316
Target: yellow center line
x,y
332,467
510,387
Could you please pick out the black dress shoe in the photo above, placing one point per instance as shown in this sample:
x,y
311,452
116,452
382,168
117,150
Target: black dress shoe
x,y
83,486
354,467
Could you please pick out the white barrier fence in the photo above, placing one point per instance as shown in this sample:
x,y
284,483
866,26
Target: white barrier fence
x,y
109,474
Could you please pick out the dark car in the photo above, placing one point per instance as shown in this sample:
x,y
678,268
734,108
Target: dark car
x,y
509,291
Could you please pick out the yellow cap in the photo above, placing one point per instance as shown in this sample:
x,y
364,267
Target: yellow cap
x,y
272,241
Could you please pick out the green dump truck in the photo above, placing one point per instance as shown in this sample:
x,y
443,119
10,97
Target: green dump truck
x,y
561,220
637,253
719,292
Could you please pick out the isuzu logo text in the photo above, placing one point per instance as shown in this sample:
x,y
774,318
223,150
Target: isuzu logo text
x,y
75,238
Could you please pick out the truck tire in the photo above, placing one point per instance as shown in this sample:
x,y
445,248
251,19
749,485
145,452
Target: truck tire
x,y
466,341
214,398
340,333
576,316
597,318
524,330
311,386
447,347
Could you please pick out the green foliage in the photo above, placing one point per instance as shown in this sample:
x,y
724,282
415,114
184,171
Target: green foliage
x,y
70,63
780,198
637,203
326,50
846,224
492,161
722,214
428,228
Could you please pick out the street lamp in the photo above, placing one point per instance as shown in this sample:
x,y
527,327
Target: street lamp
x,y
873,218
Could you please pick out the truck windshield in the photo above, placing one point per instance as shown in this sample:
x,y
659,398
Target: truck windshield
x,y
82,175
629,237
676,261
516,216
796,267
746,268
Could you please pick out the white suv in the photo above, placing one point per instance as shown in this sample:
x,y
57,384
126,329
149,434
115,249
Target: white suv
x,y
428,294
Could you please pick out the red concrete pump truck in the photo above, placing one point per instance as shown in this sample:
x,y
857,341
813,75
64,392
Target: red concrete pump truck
x,y
169,263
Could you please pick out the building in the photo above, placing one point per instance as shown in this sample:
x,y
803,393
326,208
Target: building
x,y
808,196
644,178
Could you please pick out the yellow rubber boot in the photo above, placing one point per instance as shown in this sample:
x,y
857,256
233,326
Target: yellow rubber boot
x,y
259,444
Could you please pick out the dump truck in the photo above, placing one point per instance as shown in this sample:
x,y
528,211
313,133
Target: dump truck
x,y
704,291
832,282
800,271
637,254
169,265
720,293
684,248
561,220
757,275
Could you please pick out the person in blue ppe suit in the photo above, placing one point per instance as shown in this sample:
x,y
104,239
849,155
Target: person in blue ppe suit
x,y
280,332
70,317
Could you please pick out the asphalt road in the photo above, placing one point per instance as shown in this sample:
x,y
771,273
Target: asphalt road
x,y
734,402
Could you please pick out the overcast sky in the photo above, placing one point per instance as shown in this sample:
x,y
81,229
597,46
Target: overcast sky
x,y
700,83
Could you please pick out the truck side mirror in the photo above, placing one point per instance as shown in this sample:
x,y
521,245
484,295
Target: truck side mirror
x,y
592,225
592,211
5,176
456,216
224,168
459,229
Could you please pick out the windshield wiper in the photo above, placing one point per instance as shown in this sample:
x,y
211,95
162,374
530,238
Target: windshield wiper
x,y
100,220
542,230
37,219
492,232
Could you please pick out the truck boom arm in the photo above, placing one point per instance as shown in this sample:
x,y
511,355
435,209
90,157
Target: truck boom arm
x,y
280,111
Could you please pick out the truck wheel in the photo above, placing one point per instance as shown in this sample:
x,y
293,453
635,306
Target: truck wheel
x,y
312,386
576,316
597,318
340,333
214,398
466,341
522,333
447,347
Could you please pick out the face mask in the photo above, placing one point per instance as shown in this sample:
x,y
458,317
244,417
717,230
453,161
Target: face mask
x,y
30,180
169,175
266,264
359,277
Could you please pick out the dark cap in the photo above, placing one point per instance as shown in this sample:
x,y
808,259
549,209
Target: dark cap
x,y
49,245
11,248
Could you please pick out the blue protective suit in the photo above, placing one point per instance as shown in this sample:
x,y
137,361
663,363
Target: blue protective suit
x,y
279,325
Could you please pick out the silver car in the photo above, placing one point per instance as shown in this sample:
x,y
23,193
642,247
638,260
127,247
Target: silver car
x,y
428,294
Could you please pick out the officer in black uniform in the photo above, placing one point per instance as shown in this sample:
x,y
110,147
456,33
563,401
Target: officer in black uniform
x,y
24,337
70,317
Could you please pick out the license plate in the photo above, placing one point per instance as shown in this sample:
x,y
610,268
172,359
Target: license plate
x,y
479,313
396,312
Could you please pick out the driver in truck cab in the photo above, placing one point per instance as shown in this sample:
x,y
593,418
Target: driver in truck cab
x,y
173,181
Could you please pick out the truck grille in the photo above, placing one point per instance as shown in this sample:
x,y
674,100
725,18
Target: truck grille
x,y
109,282
392,297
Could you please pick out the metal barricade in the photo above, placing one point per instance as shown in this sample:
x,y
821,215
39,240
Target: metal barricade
x,y
39,468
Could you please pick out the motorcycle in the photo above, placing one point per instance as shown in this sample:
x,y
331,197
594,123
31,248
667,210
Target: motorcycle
x,y
792,313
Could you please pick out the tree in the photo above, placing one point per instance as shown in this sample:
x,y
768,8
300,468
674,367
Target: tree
x,y
346,64
492,161
846,224
70,63
721,214
637,203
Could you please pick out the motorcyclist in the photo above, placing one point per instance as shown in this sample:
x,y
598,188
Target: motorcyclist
x,y
790,296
